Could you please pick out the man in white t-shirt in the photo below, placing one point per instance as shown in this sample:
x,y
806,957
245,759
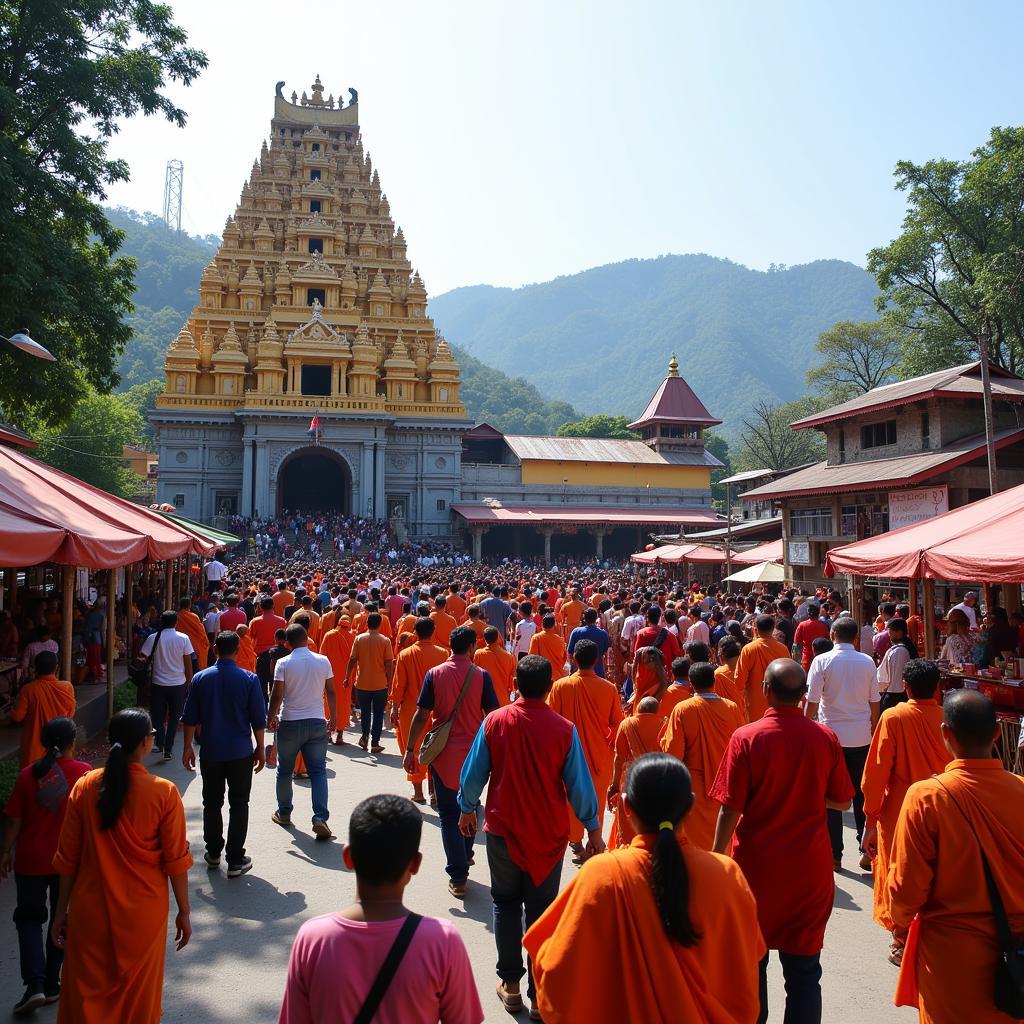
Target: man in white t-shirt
x,y
525,629
215,571
171,673
969,606
844,685
211,620
301,679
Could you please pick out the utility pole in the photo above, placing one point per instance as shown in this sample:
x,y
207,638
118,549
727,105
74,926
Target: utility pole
x,y
986,388
728,529
174,181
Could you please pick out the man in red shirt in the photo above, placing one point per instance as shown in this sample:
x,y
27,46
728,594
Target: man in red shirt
x,y
780,773
232,616
807,632
261,632
654,635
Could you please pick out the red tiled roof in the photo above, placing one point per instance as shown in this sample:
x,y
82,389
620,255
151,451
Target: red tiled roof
x,y
539,515
675,402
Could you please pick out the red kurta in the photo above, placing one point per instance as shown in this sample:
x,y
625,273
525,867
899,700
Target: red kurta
x,y
778,772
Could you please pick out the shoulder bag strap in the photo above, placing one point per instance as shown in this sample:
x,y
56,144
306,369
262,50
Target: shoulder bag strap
x,y
462,692
388,970
998,910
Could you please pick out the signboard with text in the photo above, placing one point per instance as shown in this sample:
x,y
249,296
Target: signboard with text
x,y
799,552
915,506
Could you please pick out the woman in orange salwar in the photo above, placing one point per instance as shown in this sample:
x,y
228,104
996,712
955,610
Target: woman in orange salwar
x,y
122,839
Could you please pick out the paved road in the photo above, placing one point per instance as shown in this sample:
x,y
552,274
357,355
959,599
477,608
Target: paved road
x,y
234,968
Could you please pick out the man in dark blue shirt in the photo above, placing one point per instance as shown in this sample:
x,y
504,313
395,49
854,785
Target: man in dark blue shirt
x,y
228,703
591,631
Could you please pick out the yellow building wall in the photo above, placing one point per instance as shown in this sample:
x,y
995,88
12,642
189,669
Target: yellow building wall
x,y
614,474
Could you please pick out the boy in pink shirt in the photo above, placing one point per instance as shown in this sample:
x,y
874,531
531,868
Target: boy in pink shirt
x,y
338,958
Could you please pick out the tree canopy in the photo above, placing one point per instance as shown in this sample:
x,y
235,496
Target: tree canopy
x,y
858,357
600,425
68,72
958,265
768,440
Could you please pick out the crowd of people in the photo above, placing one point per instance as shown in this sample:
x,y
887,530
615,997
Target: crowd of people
x,y
724,734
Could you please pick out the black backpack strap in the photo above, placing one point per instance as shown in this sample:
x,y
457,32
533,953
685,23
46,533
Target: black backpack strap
x,y
388,970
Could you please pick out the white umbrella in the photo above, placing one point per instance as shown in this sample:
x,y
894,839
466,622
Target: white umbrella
x,y
763,572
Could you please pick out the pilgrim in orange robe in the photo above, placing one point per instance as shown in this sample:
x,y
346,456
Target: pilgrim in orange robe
x,y
936,888
44,698
592,705
750,669
698,732
548,643
411,667
725,686
570,614
455,606
478,627
637,735
675,694
443,626
117,914
501,666
246,656
600,953
906,748
406,624
327,621
192,626
336,648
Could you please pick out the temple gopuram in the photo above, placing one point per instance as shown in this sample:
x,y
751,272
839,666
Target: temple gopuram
x,y
311,309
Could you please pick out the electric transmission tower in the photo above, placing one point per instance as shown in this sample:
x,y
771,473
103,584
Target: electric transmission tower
x,y
173,184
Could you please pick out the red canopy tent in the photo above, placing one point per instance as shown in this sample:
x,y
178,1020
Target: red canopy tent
x,y
769,551
675,554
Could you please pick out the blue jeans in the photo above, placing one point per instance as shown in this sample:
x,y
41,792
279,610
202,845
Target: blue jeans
x,y
372,704
803,988
40,958
515,898
306,736
166,704
457,847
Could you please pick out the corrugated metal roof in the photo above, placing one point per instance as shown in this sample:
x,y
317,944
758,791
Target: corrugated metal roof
x,y
581,449
750,474
899,471
622,516
957,380
739,530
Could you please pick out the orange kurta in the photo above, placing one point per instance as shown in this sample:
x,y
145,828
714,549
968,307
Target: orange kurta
x,y
337,647
117,915
636,736
549,644
410,669
44,698
570,615
455,607
725,686
606,922
501,666
406,624
750,669
478,627
698,732
443,626
592,705
675,694
246,656
906,748
936,873
192,626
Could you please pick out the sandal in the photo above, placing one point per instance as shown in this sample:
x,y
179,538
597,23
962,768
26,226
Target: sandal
x,y
578,853
512,1001
896,955
458,891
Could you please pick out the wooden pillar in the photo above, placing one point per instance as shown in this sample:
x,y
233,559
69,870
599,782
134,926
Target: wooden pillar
x,y
67,607
145,578
929,618
12,592
168,584
111,637
546,531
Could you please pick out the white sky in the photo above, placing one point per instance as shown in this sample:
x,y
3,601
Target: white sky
x,y
522,140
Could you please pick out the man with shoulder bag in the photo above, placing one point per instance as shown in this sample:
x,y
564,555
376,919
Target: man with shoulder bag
x,y
455,698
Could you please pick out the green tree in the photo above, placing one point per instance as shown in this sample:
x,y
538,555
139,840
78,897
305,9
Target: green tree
x,y
858,357
141,398
91,444
959,262
719,447
68,72
600,425
768,440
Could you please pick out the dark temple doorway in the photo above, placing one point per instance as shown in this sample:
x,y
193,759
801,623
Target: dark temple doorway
x,y
314,482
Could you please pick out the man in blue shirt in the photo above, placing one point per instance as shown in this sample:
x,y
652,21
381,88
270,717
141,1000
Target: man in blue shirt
x,y
228,703
495,611
590,630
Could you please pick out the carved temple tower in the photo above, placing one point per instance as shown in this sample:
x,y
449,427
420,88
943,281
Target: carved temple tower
x,y
311,308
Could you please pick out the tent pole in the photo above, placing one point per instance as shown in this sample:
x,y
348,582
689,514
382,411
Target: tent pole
x,y
168,584
929,618
111,637
67,603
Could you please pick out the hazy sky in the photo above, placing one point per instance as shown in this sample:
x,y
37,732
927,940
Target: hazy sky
x,y
518,141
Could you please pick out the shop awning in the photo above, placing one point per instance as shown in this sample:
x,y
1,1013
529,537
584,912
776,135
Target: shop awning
x,y
50,516
770,551
219,537
980,541
585,515
675,554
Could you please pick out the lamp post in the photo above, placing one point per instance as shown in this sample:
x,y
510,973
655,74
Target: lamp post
x,y
22,340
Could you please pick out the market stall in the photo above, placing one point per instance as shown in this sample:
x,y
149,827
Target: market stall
x,y
769,551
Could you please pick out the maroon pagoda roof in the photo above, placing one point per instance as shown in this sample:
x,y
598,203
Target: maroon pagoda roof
x,y
675,402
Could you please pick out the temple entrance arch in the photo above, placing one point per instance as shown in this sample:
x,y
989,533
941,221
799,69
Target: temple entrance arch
x,y
314,479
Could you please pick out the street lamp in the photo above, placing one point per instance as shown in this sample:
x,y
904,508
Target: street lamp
x,y
23,341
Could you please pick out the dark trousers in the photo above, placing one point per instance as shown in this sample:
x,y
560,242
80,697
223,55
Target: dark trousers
x,y
803,988
372,705
165,706
457,847
40,958
890,700
517,904
264,669
237,777
855,758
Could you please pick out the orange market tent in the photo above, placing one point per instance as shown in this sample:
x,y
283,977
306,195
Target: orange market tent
x,y
770,551
980,541
49,516
675,554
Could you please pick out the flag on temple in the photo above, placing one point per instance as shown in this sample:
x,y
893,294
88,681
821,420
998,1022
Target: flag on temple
x,y
314,426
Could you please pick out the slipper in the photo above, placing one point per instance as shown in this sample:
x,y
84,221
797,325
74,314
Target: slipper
x,y
418,799
512,1001
377,749
458,891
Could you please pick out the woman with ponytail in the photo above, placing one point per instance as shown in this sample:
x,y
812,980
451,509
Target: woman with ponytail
x,y
123,838
35,814
654,933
